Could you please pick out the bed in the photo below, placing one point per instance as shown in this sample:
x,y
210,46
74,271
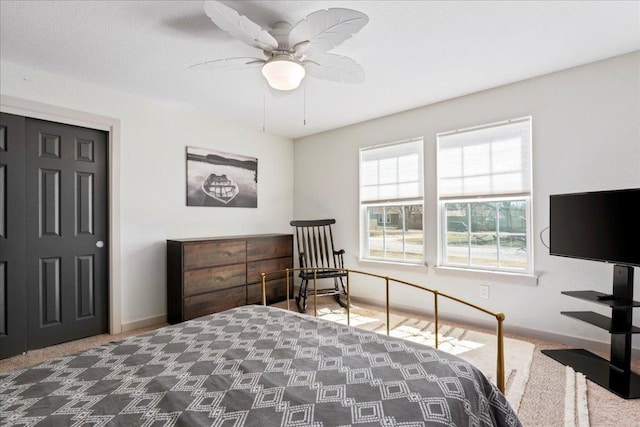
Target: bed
x,y
255,366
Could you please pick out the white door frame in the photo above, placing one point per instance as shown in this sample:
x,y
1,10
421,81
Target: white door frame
x,y
37,110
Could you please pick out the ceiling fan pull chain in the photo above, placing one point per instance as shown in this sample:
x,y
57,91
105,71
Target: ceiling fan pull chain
x,y
304,106
264,109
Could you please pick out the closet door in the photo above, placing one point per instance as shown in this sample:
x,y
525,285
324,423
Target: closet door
x,y
13,290
66,232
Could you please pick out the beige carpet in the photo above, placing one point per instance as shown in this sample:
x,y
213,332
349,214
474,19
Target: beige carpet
x,y
546,401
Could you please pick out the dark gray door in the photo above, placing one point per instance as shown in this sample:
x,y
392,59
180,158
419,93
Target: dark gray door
x,y
53,233
67,255
13,292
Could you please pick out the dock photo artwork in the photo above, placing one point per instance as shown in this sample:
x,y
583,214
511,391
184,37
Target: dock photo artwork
x,y
220,179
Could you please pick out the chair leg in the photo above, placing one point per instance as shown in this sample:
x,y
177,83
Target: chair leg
x,y
339,283
344,289
302,296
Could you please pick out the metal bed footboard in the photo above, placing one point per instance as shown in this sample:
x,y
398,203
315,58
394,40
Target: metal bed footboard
x,y
500,369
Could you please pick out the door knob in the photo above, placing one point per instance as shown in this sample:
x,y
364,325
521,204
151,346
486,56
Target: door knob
x,y
99,243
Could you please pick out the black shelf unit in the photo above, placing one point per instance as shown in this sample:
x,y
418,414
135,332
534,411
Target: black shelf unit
x,y
614,374
602,322
594,296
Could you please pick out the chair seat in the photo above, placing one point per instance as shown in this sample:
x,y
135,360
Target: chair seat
x,y
322,274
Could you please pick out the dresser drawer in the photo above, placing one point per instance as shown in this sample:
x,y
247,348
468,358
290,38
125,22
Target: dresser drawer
x,y
256,268
276,291
214,302
207,275
212,254
269,247
214,279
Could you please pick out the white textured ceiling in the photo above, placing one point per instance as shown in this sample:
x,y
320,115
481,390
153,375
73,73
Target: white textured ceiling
x,y
413,53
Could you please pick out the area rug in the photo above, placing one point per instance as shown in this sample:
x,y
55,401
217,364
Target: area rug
x,y
576,406
476,347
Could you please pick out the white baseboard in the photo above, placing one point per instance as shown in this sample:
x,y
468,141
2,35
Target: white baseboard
x,y
143,323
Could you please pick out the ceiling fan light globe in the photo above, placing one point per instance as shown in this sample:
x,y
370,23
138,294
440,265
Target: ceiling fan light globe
x,y
283,73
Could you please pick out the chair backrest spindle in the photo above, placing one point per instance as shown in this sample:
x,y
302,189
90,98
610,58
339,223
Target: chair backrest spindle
x,y
314,241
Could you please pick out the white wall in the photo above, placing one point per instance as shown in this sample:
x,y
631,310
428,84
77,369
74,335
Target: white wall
x,y
153,140
586,137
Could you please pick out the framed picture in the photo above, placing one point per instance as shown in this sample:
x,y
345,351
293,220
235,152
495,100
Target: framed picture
x,y
221,179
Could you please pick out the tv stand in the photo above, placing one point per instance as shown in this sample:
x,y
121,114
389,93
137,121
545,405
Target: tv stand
x,y
614,374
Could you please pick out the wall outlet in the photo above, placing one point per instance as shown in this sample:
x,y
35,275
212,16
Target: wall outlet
x,y
484,291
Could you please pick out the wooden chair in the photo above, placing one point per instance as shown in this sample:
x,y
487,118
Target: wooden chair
x,y
314,242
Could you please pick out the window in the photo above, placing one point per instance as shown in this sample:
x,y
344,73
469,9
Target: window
x,y
391,202
484,196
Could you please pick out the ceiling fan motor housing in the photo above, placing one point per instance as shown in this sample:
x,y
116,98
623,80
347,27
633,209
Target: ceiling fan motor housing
x,y
280,31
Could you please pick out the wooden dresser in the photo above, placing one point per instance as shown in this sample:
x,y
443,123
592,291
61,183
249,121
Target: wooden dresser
x,y
214,274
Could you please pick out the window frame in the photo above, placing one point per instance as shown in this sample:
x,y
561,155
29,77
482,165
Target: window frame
x,y
366,246
445,229
403,202
527,196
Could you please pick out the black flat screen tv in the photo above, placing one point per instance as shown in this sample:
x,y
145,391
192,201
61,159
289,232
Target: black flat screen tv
x,y
599,226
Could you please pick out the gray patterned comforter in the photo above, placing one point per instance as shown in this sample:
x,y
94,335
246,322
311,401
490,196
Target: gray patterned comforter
x,y
255,366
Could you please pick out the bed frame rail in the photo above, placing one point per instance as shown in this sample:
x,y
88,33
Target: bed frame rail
x,y
500,380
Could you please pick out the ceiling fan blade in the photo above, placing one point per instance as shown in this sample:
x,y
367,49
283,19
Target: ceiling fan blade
x,y
335,68
230,63
239,26
325,29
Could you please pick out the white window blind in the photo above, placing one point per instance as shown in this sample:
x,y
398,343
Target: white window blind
x,y
392,172
493,160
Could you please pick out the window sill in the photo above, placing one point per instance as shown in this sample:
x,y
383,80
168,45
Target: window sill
x,y
386,263
496,276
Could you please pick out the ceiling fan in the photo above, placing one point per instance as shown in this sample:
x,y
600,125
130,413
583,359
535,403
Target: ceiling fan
x,y
292,51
